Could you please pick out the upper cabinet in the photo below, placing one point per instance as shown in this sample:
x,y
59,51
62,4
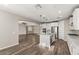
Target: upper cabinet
x,y
74,21
47,28
71,23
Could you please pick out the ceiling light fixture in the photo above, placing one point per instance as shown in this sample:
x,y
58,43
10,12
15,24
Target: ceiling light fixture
x,y
38,6
59,17
43,17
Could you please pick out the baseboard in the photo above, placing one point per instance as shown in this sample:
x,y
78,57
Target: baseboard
x,y
8,46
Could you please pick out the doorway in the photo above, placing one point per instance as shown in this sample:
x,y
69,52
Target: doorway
x,y
55,34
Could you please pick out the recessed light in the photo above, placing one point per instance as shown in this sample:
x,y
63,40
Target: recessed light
x,y
59,11
59,17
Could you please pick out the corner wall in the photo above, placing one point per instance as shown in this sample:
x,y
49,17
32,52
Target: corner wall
x,y
8,30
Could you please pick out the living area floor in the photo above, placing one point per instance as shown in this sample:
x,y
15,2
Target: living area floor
x,y
28,47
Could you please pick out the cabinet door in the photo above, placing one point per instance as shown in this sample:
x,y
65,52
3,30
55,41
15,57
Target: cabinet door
x,y
71,23
76,19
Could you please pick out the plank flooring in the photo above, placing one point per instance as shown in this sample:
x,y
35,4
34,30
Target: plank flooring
x,y
59,47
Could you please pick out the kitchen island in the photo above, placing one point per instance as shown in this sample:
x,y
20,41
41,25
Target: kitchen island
x,y
45,40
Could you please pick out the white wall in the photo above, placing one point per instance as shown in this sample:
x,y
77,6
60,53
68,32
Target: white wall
x,y
37,29
8,30
22,29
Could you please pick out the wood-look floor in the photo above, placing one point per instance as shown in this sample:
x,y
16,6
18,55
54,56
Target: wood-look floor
x,y
59,47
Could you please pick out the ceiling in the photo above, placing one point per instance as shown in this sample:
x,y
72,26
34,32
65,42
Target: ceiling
x,y
52,12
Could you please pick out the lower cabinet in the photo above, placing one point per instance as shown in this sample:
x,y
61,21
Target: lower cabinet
x,y
45,40
74,49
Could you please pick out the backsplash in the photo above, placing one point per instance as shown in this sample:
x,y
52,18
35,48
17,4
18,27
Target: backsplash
x,y
74,32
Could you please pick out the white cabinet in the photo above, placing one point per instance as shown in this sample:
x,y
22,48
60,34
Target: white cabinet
x,y
45,29
75,19
71,23
45,40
